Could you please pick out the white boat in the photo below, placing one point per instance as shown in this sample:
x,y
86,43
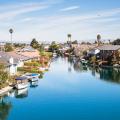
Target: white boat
x,y
54,54
21,83
84,62
32,76
42,69
34,79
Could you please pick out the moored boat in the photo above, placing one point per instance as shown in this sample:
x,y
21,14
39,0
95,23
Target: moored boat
x,y
44,68
32,76
84,62
21,83
54,54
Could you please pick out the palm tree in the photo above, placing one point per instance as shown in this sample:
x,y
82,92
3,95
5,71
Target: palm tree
x,y
69,37
11,31
98,38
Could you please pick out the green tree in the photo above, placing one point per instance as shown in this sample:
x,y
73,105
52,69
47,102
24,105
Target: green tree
x,y
34,43
19,45
54,47
41,47
93,59
3,75
75,42
116,42
8,47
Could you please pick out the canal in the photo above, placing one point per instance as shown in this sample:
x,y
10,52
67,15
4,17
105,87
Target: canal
x,y
68,91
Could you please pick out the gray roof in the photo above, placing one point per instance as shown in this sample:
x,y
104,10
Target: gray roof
x,y
4,58
109,47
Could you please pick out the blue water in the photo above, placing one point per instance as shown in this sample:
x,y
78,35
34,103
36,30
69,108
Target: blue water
x,y
68,91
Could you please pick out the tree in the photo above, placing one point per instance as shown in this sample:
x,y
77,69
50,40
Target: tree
x,y
116,42
54,46
34,43
11,32
98,38
83,43
75,42
93,59
19,45
3,75
41,47
8,47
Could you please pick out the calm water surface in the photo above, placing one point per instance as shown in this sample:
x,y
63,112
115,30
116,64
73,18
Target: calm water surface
x,y
68,91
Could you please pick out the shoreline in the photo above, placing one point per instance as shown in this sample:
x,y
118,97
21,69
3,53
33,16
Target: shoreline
x,y
5,90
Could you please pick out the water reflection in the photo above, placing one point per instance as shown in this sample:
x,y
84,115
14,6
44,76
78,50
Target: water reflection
x,y
21,93
76,65
5,107
34,84
82,95
110,74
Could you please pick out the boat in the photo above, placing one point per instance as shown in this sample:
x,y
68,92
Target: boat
x,y
21,83
54,54
44,68
83,61
32,76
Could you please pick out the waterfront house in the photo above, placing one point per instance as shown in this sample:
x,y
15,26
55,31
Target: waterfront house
x,y
112,51
106,54
64,47
79,49
18,58
12,60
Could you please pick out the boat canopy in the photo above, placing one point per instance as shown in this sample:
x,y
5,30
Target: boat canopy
x,y
21,78
33,74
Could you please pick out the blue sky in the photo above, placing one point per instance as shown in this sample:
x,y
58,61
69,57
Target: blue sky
x,y
52,20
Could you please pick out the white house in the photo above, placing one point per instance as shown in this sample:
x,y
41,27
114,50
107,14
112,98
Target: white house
x,y
12,61
8,61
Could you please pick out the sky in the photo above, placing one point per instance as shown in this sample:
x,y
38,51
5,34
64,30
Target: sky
x,y
52,20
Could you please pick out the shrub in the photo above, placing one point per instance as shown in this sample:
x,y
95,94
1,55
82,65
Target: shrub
x,y
33,63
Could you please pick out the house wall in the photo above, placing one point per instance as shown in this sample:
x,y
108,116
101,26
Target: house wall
x,y
20,64
12,69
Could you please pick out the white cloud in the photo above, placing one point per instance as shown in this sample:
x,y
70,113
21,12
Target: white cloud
x,y
11,11
56,27
70,8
